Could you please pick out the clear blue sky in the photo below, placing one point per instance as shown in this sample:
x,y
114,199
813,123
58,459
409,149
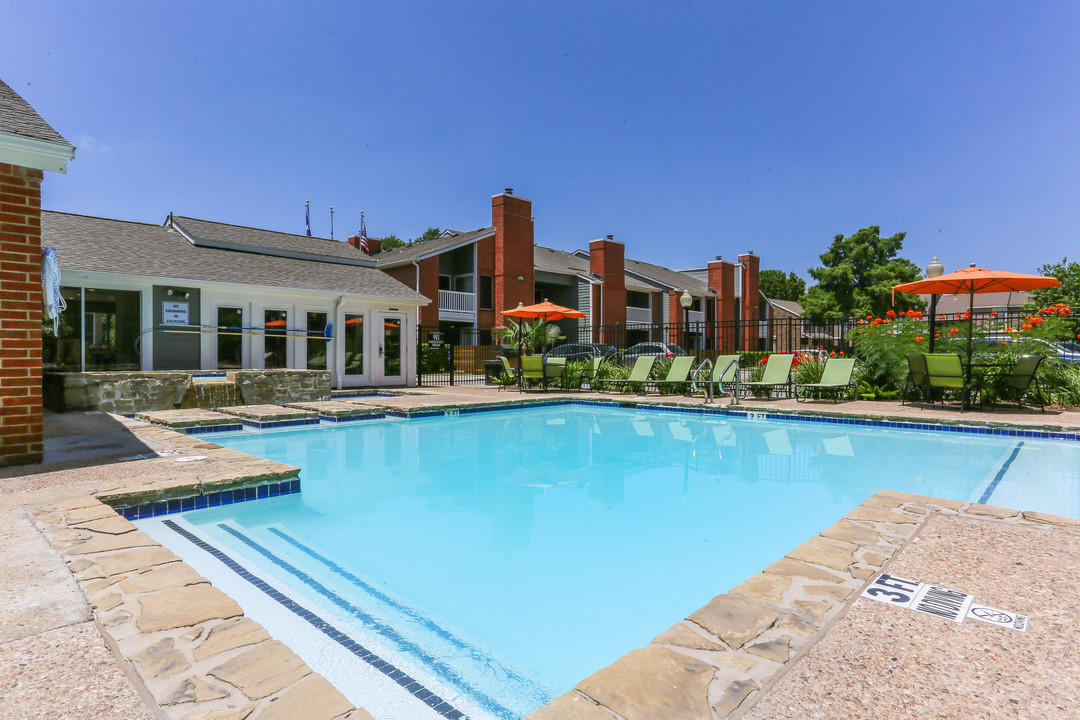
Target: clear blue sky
x,y
687,129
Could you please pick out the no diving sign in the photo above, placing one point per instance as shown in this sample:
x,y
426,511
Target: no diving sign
x,y
942,602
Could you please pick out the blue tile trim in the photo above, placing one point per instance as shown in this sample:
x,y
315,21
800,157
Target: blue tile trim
x,y
427,697
203,429
260,425
421,619
353,418
1000,474
198,502
433,663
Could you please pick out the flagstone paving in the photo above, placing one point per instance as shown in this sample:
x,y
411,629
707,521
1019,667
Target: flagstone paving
x,y
156,639
269,413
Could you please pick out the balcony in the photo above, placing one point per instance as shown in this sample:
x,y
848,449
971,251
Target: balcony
x,y
638,316
457,306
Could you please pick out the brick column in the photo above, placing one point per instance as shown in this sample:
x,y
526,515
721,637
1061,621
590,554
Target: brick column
x,y
750,299
20,315
722,281
607,259
512,218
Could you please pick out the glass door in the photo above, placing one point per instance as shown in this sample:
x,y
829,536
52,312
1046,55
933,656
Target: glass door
x,y
230,338
318,342
392,349
353,337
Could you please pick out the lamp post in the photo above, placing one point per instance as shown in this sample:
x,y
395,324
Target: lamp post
x,y
686,301
933,270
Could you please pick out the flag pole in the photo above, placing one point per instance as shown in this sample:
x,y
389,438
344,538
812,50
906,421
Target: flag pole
x,y
307,217
331,222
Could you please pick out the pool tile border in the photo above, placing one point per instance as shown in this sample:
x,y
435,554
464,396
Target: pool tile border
x,y
208,500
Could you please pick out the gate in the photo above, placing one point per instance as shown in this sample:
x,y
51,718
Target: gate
x,y
456,356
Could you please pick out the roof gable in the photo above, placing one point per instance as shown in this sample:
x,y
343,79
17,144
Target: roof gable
x,y
449,240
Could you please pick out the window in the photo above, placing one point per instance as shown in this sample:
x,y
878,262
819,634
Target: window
x,y
275,340
463,283
318,342
637,299
444,282
487,292
230,338
100,330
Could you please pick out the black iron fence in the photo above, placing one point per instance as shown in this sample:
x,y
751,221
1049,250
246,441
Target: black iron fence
x,y
470,356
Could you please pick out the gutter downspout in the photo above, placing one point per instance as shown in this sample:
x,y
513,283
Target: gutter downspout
x,y
417,264
339,333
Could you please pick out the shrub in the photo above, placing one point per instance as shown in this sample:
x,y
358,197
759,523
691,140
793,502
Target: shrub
x,y
809,371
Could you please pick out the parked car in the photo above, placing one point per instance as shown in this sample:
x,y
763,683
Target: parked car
x,y
1065,351
581,351
808,353
659,350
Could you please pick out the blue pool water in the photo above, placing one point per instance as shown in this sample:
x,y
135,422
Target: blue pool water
x,y
501,557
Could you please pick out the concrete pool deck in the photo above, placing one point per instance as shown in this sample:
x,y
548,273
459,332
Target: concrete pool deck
x,y
793,641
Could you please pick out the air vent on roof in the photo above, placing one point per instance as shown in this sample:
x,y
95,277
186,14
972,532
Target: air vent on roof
x,y
610,237
509,191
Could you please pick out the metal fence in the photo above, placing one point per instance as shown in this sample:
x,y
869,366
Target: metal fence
x,y
470,356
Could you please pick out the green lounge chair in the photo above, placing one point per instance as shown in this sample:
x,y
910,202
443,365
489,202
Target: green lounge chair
x,y
836,377
946,372
1021,377
777,374
532,371
916,376
678,374
639,375
723,373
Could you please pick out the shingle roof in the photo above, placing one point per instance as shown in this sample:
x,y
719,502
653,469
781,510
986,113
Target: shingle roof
x,y
671,278
960,303
789,305
451,239
559,261
17,117
239,235
117,246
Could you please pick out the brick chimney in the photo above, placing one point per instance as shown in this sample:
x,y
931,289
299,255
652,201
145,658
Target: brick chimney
x,y
722,281
512,218
607,259
750,299
374,244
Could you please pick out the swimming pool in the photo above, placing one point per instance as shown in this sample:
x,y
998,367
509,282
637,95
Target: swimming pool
x,y
497,558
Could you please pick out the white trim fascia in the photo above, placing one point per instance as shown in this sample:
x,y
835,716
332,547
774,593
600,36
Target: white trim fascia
x,y
435,253
36,154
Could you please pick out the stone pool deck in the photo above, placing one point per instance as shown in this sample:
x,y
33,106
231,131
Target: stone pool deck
x,y
98,621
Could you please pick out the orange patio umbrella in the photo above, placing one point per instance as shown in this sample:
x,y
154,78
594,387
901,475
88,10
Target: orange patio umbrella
x,y
972,280
544,311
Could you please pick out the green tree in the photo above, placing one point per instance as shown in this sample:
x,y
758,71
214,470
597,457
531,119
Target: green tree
x,y
778,286
430,234
857,275
392,241
1068,273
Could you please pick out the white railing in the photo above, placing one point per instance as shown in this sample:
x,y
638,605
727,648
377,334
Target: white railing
x,y
695,317
457,302
639,315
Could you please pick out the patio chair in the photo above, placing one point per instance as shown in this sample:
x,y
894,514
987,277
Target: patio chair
x,y
946,372
678,374
532,371
553,370
639,374
1021,377
777,374
723,372
588,373
837,376
509,374
916,377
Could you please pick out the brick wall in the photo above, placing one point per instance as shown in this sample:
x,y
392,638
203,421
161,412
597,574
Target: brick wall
x,y
607,258
429,286
20,315
722,280
485,265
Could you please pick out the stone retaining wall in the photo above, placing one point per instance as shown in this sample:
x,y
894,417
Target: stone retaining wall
x,y
123,393
261,387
